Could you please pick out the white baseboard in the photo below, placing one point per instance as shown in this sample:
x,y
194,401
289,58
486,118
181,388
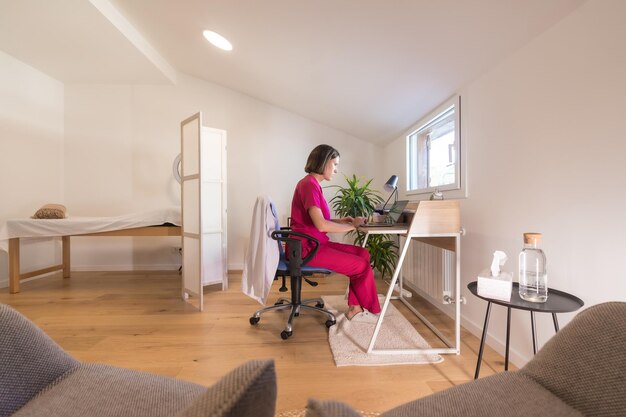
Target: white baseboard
x,y
495,343
104,268
235,266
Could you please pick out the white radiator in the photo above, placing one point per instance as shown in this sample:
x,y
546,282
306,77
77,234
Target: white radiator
x,y
430,271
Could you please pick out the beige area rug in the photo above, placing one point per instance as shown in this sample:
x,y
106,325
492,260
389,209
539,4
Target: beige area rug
x,y
349,340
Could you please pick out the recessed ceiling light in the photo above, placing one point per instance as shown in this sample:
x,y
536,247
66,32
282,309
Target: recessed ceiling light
x,y
218,40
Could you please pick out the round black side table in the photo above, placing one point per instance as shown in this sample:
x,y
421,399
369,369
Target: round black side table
x,y
558,302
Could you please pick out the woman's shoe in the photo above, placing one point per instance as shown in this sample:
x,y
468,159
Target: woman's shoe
x,y
364,317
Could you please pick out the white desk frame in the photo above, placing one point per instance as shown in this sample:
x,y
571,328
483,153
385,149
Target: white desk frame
x,y
443,215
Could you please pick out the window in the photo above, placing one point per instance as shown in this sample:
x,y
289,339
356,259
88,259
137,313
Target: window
x,y
434,152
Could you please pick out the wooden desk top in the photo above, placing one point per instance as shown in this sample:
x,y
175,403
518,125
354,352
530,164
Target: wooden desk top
x,y
437,223
424,218
434,217
399,229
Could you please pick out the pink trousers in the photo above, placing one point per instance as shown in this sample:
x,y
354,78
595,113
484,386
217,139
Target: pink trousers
x,y
354,262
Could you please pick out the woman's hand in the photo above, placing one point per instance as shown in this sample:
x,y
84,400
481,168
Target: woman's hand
x,y
358,221
342,225
354,221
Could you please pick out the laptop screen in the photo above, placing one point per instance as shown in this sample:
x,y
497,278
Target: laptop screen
x,y
396,211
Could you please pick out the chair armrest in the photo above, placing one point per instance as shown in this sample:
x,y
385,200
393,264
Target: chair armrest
x,y
295,245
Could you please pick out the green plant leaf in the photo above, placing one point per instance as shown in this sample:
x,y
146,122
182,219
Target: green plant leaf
x,y
358,199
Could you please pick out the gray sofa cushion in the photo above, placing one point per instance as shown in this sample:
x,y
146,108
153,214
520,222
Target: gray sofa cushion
x,y
585,364
29,360
580,371
507,394
503,395
247,391
105,391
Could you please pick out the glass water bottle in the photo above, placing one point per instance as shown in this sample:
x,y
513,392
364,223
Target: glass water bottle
x,y
533,278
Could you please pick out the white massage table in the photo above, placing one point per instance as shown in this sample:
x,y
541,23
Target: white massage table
x,y
165,222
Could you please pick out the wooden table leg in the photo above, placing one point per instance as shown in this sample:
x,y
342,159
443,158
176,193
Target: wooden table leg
x,y
14,265
65,241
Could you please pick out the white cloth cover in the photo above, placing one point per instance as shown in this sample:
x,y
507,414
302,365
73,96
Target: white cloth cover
x,y
262,256
73,226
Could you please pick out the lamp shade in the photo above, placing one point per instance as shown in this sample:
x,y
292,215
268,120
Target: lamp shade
x,y
391,184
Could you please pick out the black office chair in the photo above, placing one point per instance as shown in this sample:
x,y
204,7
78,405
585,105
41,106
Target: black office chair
x,y
296,268
283,275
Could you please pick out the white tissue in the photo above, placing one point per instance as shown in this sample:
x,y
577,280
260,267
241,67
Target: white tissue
x,y
499,258
493,283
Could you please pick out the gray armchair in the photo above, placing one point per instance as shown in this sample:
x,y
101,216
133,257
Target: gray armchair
x,y
581,371
37,378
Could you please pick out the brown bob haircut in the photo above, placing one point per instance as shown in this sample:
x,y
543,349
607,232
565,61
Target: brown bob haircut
x,y
319,157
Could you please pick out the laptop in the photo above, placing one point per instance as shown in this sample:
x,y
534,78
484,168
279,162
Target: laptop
x,y
391,218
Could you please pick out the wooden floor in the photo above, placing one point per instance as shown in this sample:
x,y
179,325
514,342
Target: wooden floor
x,y
138,320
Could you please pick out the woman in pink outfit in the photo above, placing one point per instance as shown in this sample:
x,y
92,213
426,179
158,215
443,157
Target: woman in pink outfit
x,y
310,214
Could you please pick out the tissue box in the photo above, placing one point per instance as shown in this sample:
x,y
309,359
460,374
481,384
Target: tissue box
x,y
498,288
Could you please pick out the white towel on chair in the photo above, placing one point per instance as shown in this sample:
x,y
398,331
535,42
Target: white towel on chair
x,y
262,256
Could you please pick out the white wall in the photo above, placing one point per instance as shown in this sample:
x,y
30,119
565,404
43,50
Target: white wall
x,y
31,152
545,132
104,150
121,141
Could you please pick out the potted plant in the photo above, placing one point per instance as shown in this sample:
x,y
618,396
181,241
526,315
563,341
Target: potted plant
x,y
358,199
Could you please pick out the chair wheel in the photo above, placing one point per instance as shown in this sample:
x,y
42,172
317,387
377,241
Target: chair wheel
x,y
254,320
279,303
285,334
330,323
319,305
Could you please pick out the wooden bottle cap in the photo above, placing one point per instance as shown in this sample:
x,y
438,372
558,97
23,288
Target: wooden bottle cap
x,y
532,238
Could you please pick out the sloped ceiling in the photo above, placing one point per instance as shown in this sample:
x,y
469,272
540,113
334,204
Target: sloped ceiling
x,y
366,67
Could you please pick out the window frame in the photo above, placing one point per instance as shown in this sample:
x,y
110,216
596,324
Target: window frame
x,y
457,189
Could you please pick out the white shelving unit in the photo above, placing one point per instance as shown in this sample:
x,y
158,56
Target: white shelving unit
x,y
204,208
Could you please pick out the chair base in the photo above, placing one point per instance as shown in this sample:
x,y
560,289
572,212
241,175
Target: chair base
x,y
285,303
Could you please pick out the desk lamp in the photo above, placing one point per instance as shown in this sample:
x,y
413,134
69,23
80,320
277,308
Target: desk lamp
x,y
390,186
